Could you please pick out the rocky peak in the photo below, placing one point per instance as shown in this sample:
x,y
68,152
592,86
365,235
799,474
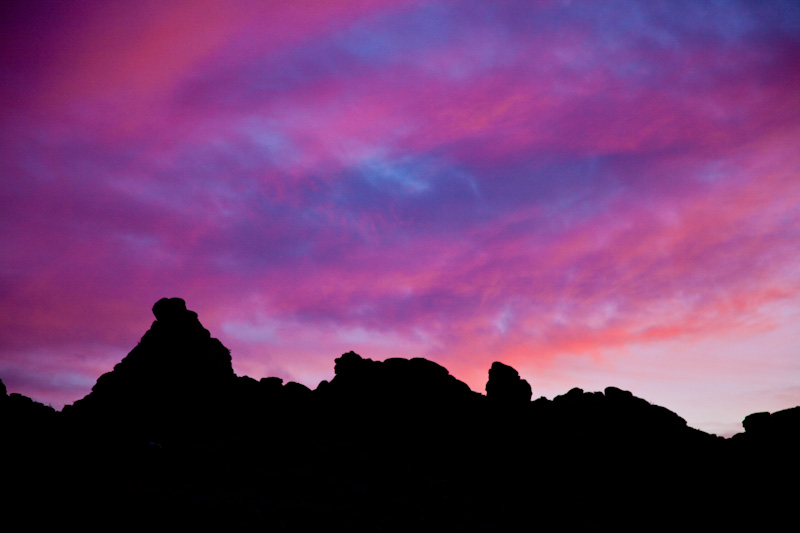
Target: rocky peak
x,y
177,367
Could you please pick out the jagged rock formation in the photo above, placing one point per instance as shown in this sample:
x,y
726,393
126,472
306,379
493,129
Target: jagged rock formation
x,y
172,436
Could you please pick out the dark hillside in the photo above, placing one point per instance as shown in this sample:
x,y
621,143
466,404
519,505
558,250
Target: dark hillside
x,y
172,437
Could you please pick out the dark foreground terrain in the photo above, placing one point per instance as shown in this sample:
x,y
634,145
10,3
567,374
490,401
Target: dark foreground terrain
x,y
172,438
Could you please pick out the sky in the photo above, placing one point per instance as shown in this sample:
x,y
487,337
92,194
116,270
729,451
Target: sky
x,y
598,194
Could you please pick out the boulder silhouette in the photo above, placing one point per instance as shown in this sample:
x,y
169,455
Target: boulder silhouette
x,y
505,386
771,431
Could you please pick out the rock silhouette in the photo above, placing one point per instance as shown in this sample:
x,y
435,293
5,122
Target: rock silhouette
x,y
173,437
506,386
176,379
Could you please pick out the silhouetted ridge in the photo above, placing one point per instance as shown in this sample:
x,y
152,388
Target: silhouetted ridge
x,y
173,438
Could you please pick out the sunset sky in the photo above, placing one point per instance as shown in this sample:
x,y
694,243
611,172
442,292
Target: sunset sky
x,y
595,193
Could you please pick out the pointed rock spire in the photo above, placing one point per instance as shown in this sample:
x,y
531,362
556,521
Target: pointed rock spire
x,y
176,371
